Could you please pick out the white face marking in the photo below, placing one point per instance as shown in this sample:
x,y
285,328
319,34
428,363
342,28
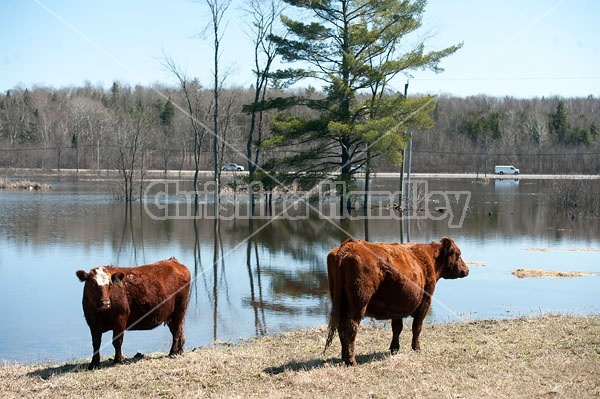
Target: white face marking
x,y
102,278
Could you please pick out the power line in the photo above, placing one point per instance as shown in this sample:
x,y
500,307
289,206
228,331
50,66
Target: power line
x,y
524,78
549,154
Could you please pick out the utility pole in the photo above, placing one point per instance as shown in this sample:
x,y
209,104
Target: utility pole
x,y
408,165
408,158
403,159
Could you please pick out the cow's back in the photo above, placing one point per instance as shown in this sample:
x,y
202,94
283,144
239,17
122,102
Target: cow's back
x,y
151,293
159,279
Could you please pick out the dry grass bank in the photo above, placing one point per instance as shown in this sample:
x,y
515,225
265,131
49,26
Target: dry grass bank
x,y
523,273
542,357
8,184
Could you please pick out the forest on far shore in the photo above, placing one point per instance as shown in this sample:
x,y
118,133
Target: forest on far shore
x,y
87,128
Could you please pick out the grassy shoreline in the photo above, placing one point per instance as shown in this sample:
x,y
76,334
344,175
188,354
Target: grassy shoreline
x,y
550,356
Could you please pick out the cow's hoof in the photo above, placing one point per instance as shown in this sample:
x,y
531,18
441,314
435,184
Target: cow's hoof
x,y
94,366
173,355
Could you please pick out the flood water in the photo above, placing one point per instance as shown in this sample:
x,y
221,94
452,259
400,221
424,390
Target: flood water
x,y
267,275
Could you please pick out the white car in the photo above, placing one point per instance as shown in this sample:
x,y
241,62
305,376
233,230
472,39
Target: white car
x,y
232,167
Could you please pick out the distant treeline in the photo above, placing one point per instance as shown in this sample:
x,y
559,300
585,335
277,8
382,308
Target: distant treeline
x,y
540,135
90,127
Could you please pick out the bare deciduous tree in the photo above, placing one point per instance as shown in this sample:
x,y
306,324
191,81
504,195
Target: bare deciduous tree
x,y
218,10
263,15
191,90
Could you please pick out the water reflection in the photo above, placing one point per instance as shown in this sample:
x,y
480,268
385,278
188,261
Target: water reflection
x,y
256,300
131,240
258,276
217,255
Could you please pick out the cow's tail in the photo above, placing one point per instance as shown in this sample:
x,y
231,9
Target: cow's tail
x,y
335,291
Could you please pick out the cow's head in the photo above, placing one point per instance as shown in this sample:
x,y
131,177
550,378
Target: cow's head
x,y
449,261
98,283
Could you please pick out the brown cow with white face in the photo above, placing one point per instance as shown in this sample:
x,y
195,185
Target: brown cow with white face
x,y
386,281
135,298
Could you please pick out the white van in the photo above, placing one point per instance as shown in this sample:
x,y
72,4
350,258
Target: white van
x,y
506,170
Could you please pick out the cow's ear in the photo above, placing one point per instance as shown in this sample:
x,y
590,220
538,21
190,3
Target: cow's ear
x,y
446,244
117,277
82,275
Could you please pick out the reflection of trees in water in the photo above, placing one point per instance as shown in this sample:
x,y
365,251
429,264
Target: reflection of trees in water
x,y
289,289
132,238
521,209
291,285
302,239
256,301
218,259
198,269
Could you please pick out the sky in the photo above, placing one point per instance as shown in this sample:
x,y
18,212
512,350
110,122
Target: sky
x,y
518,48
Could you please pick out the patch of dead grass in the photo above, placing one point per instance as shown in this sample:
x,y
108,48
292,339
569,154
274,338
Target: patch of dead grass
x,y
474,263
546,356
8,184
522,273
582,249
543,249
537,249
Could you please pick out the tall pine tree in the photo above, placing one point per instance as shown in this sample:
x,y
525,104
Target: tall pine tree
x,y
353,47
559,124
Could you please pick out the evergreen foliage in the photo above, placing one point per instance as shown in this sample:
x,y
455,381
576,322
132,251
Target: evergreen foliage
x,y
353,48
567,134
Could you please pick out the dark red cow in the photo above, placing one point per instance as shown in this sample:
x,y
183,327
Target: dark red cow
x,y
386,281
135,298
